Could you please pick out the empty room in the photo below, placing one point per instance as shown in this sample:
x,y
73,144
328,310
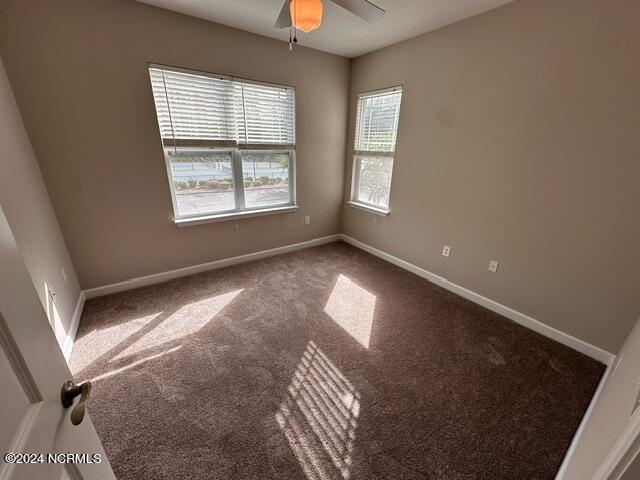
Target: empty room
x,y
320,239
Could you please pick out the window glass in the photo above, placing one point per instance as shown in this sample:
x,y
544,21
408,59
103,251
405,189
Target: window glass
x,y
203,181
266,178
374,180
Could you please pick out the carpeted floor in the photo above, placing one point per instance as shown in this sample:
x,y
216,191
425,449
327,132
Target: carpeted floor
x,y
326,363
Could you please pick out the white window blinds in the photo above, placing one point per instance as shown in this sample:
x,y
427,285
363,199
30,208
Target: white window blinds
x,y
377,121
194,107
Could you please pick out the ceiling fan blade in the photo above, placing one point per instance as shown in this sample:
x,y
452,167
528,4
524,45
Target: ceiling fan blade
x,y
284,17
362,8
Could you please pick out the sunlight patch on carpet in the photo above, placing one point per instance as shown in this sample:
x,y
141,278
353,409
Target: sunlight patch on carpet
x,y
135,364
352,307
99,342
319,417
187,320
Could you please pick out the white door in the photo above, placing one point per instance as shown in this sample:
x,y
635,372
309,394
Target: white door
x,y
33,422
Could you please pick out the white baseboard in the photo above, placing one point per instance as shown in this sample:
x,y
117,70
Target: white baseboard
x,y
203,267
518,317
525,320
585,419
73,328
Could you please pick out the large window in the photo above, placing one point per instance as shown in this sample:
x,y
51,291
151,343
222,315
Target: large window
x,y
374,149
229,144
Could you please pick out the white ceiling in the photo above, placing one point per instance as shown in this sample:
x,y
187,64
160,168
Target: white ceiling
x,y
341,32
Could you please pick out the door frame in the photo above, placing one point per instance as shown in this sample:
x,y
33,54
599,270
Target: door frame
x,y
624,451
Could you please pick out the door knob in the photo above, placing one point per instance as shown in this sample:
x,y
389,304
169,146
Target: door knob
x,y
70,391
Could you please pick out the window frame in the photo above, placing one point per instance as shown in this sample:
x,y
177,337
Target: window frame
x,y
235,149
357,163
358,155
240,210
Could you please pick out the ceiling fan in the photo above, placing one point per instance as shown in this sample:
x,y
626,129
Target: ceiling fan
x,y
306,15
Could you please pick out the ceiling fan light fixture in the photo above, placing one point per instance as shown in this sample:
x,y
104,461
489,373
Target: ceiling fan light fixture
x,y
306,15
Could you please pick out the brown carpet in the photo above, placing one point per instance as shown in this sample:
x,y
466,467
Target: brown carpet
x,y
326,363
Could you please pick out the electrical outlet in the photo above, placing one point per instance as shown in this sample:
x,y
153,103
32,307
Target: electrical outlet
x,y
446,250
307,220
493,266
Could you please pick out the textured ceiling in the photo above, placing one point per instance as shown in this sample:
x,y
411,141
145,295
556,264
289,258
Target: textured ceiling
x,y
341,32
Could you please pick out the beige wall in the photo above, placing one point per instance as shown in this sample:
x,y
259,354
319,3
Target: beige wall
x,y
611,414
24,200
79,70
518,141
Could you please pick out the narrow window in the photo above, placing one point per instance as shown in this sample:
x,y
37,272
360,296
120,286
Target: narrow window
x,y
229,144
375,144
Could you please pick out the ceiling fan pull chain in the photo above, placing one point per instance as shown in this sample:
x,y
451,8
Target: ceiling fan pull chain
x,y
295,19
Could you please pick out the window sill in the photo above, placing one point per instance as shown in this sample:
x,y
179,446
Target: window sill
x,y
367,208
186,222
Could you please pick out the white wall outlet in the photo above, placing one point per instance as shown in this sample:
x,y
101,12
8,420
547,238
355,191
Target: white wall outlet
x,y
64,274
307,220
446,250
493,266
